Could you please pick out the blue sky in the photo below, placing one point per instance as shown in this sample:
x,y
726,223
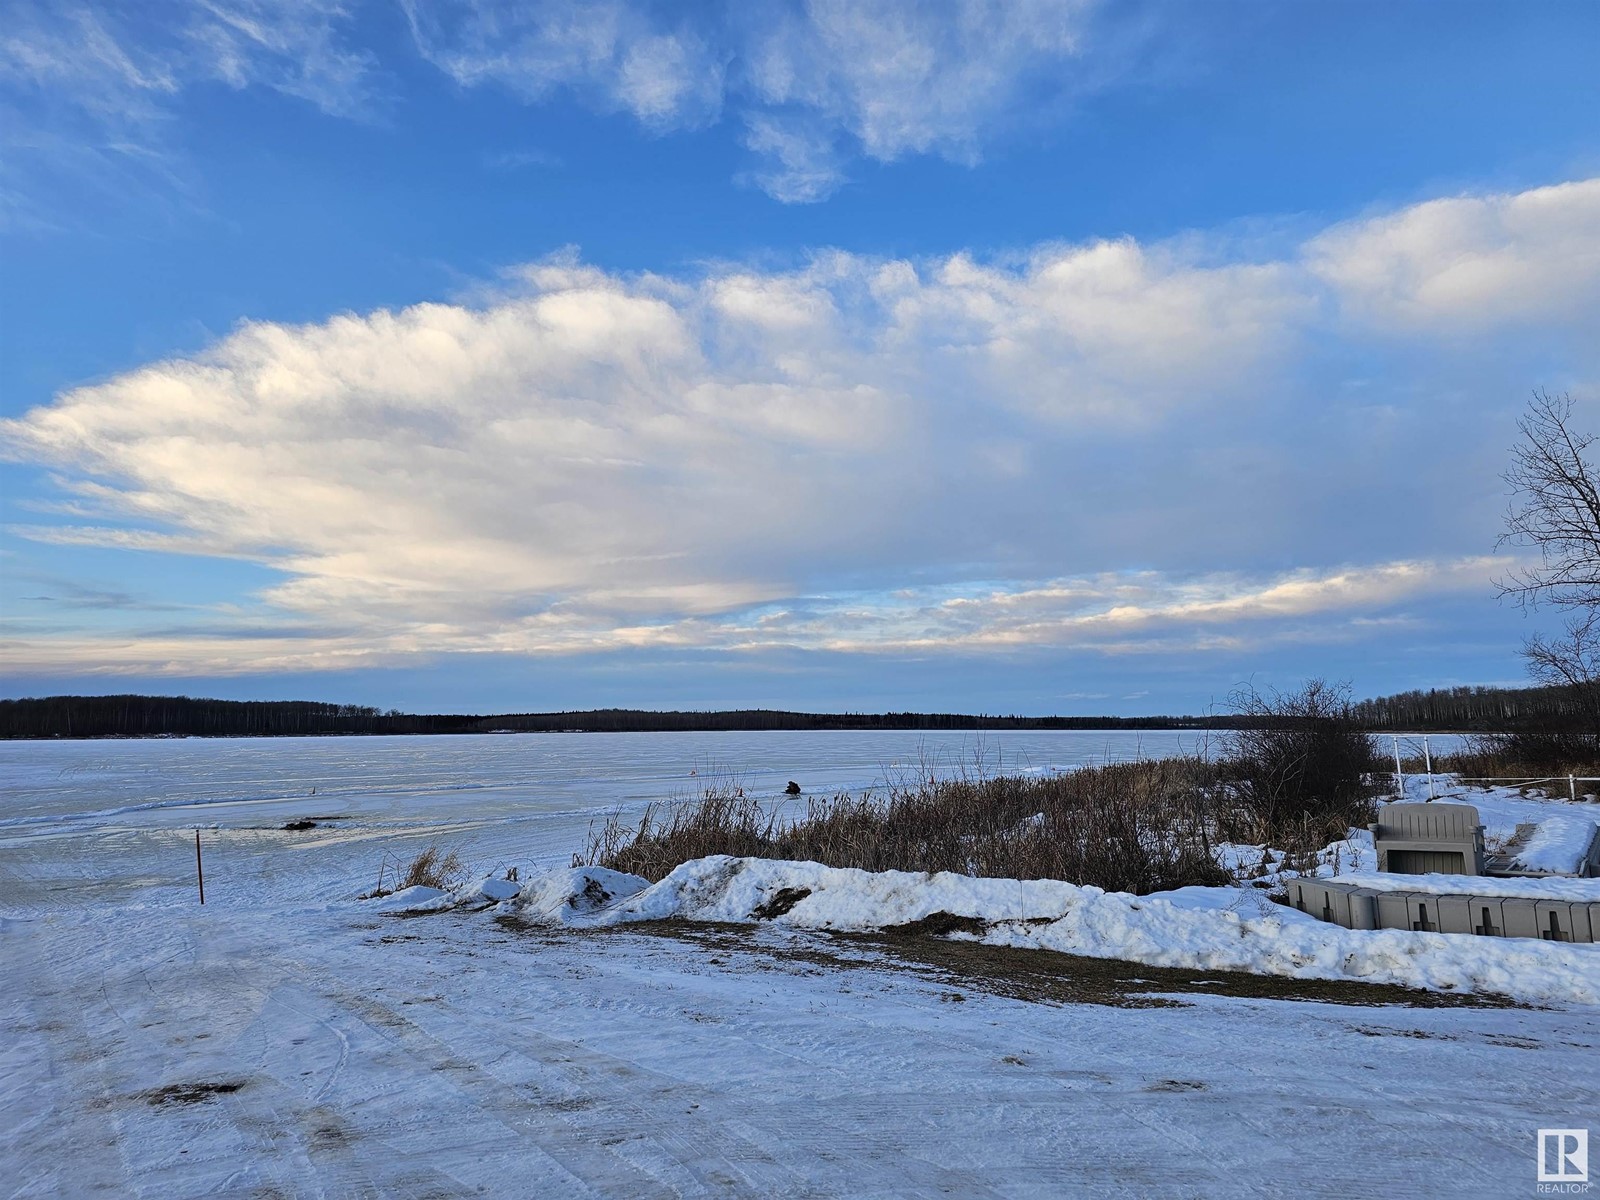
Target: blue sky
x,y
1015,357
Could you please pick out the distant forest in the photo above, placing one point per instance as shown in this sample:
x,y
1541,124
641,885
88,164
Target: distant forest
x,y
1452,709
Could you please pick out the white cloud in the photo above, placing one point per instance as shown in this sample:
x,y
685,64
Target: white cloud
x,y
814,83
1472,262
115,63
1145,613
799,162
902,77
618,55
87,93
827,457
297,47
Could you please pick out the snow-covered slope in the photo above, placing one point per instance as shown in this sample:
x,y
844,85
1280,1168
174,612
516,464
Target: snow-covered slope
x,y
1205,928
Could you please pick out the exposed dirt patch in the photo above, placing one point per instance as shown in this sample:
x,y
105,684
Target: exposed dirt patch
x,y
329,1136
189,1093
1043,976
1051,976
1177,1085
1040,976
781,902
939,924
574,1104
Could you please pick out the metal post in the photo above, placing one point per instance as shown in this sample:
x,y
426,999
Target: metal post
x,y
1427,761
1399,775
199,872
1572,788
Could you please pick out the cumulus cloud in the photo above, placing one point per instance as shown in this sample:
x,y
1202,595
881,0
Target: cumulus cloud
x,y
859,454
1470,263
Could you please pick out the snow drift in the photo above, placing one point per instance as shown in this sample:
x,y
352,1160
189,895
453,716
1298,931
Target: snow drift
x,y
1201,928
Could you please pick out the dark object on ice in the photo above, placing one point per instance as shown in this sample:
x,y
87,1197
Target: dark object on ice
x,y
793,789
302,824
188,1093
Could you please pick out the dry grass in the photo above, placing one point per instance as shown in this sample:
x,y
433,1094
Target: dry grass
x,y
1135,827
434,868
1525,755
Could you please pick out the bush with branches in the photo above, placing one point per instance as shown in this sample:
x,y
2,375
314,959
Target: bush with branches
x,y
1304,773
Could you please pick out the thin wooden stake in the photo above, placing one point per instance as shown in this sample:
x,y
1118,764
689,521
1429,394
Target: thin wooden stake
x,y
199,872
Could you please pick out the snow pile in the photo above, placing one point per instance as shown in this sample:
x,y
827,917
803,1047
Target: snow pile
x,y
1558,846
1268,866
1201,928
412,899
568,897
420,899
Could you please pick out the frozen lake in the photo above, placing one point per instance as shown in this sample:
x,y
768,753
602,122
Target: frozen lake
x,y
286,1040
549,772
181,780
524,798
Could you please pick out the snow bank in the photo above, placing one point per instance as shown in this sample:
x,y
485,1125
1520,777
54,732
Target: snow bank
x,y
489,890
1559,845
1200,928
568,897
412,899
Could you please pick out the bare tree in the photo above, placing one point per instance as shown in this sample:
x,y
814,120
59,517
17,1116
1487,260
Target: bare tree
x,y
1555,510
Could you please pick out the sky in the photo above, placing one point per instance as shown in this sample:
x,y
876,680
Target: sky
x,y
1043,356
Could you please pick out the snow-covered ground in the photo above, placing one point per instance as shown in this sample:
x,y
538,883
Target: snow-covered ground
x,y
289,1040
1209,928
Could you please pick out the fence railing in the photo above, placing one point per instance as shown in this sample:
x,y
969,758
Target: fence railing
x,y
1572,781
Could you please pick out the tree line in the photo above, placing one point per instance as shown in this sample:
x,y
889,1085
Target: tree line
x,y
1473,709
1460,709
183,716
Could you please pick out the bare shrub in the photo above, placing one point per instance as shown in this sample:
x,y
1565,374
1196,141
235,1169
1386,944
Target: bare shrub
x,y
1136,827
1526,754
1305,773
